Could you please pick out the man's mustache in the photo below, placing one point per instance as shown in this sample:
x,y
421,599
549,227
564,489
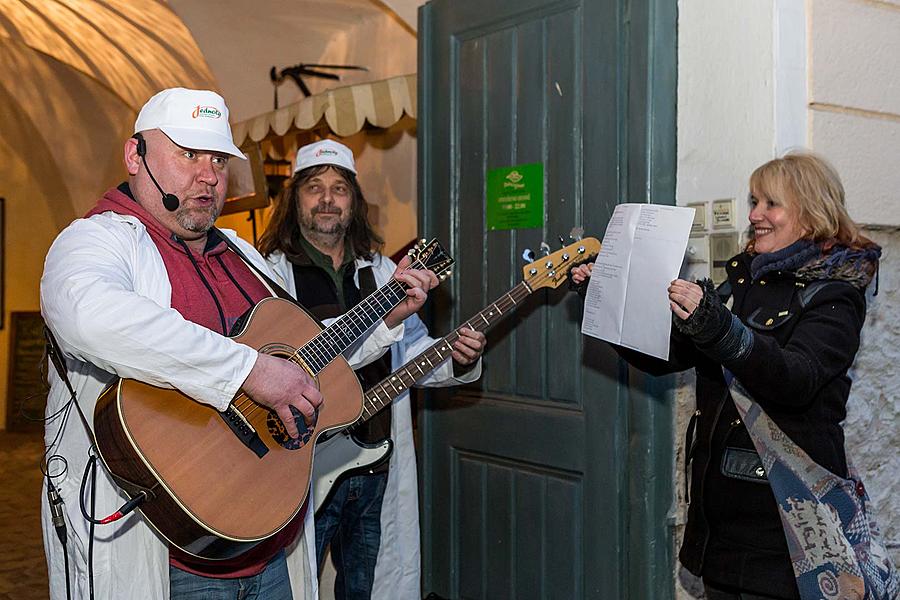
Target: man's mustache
x,y
326,210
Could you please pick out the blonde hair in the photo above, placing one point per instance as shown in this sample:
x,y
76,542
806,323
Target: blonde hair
x,y
811,188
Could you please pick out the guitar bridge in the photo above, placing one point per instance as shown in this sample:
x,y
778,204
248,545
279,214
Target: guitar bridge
x,y
244,431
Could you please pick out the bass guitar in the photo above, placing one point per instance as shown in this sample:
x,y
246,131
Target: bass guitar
x,y
339,455
215,484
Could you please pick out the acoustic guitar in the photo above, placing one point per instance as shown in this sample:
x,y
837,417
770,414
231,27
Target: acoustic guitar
x,y
339,455
218,483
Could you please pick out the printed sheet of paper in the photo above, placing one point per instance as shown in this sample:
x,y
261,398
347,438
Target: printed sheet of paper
x,y
627,302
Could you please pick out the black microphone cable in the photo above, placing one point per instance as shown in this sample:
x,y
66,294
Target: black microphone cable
x,y
54,499
54,353
57,511
123,510
93,464
91,467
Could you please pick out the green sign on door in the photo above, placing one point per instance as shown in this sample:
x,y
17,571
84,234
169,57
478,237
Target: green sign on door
x,y
515,197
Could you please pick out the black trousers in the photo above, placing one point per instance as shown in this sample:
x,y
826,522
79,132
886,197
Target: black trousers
x,y
716,593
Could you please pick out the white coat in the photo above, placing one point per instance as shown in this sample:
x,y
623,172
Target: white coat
x,y
398,568
106,296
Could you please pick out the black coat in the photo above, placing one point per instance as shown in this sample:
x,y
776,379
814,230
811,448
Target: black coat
x,y
805,335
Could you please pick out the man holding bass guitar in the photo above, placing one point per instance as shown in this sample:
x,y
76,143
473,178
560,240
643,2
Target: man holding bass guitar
x,y
146,288
320,242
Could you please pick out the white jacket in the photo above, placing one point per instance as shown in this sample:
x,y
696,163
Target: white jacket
x,y
398,568
106,296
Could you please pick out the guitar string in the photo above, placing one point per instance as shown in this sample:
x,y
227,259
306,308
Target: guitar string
x,y
439,351
373,402
446,343
242,401
317,345
319,354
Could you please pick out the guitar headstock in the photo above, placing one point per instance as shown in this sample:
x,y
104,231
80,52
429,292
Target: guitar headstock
x,y
431,255
551,270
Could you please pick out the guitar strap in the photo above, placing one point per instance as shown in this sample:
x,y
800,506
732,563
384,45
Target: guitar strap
x,y
277,289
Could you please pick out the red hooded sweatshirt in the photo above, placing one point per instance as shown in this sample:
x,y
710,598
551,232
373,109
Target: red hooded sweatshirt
x,y
233,290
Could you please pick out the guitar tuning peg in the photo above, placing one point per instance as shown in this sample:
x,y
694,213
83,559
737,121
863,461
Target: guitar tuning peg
x,y
562,242
423,241
577,233
442,276
448,273
545,248
528,255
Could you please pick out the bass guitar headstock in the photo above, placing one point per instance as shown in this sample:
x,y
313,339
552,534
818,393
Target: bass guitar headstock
x,y
551,270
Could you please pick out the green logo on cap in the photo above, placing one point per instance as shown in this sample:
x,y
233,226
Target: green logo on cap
x,y
210,112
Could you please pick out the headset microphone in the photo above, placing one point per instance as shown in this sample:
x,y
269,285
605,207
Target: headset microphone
x,y
170,201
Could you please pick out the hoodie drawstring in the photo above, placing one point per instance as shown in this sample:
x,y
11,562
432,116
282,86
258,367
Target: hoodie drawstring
x,y
234,281
205,283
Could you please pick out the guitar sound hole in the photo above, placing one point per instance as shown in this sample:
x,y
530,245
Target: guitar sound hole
x,y
280,434
278,350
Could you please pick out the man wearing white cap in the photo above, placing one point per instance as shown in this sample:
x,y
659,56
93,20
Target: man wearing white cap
x,y
145,287
320,242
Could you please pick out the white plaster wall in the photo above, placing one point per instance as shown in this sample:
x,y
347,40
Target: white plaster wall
x,y
854,83
726,120
725,97
865,150
855,54
758,78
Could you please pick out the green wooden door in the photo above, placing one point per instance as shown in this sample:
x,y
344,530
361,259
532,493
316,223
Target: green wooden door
x,y
551,477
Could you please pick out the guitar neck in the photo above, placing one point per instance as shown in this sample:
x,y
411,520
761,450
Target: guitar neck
x,y
384,392
332,341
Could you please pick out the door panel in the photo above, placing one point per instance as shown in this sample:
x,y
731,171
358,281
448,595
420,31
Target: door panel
x,y
551,476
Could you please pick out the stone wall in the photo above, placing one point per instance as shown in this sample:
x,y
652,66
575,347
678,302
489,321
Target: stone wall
x,y
873,417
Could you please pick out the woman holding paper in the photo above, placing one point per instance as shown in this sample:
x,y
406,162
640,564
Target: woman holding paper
x,y
790,337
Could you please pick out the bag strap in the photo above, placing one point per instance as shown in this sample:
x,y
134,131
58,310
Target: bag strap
x,y
367,284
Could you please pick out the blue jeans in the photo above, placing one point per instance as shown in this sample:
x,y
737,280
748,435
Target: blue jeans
x,y
272,584
351,523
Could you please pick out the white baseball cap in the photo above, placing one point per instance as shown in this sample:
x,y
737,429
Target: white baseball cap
x,y
325,152
196,119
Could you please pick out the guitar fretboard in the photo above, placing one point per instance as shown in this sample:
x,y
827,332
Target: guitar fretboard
x,y
344,332
384,392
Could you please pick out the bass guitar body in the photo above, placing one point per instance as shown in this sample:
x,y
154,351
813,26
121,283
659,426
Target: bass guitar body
x,y
341,456
218,483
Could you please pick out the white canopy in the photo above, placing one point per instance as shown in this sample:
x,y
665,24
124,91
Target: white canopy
x,y
345,110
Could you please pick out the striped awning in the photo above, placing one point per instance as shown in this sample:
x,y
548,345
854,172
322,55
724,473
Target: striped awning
x,y
345,110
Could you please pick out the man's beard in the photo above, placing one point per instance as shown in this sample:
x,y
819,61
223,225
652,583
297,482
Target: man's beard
x,y
333,227
199,219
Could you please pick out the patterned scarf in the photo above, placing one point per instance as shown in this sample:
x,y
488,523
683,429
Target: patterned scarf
x,y
811,261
